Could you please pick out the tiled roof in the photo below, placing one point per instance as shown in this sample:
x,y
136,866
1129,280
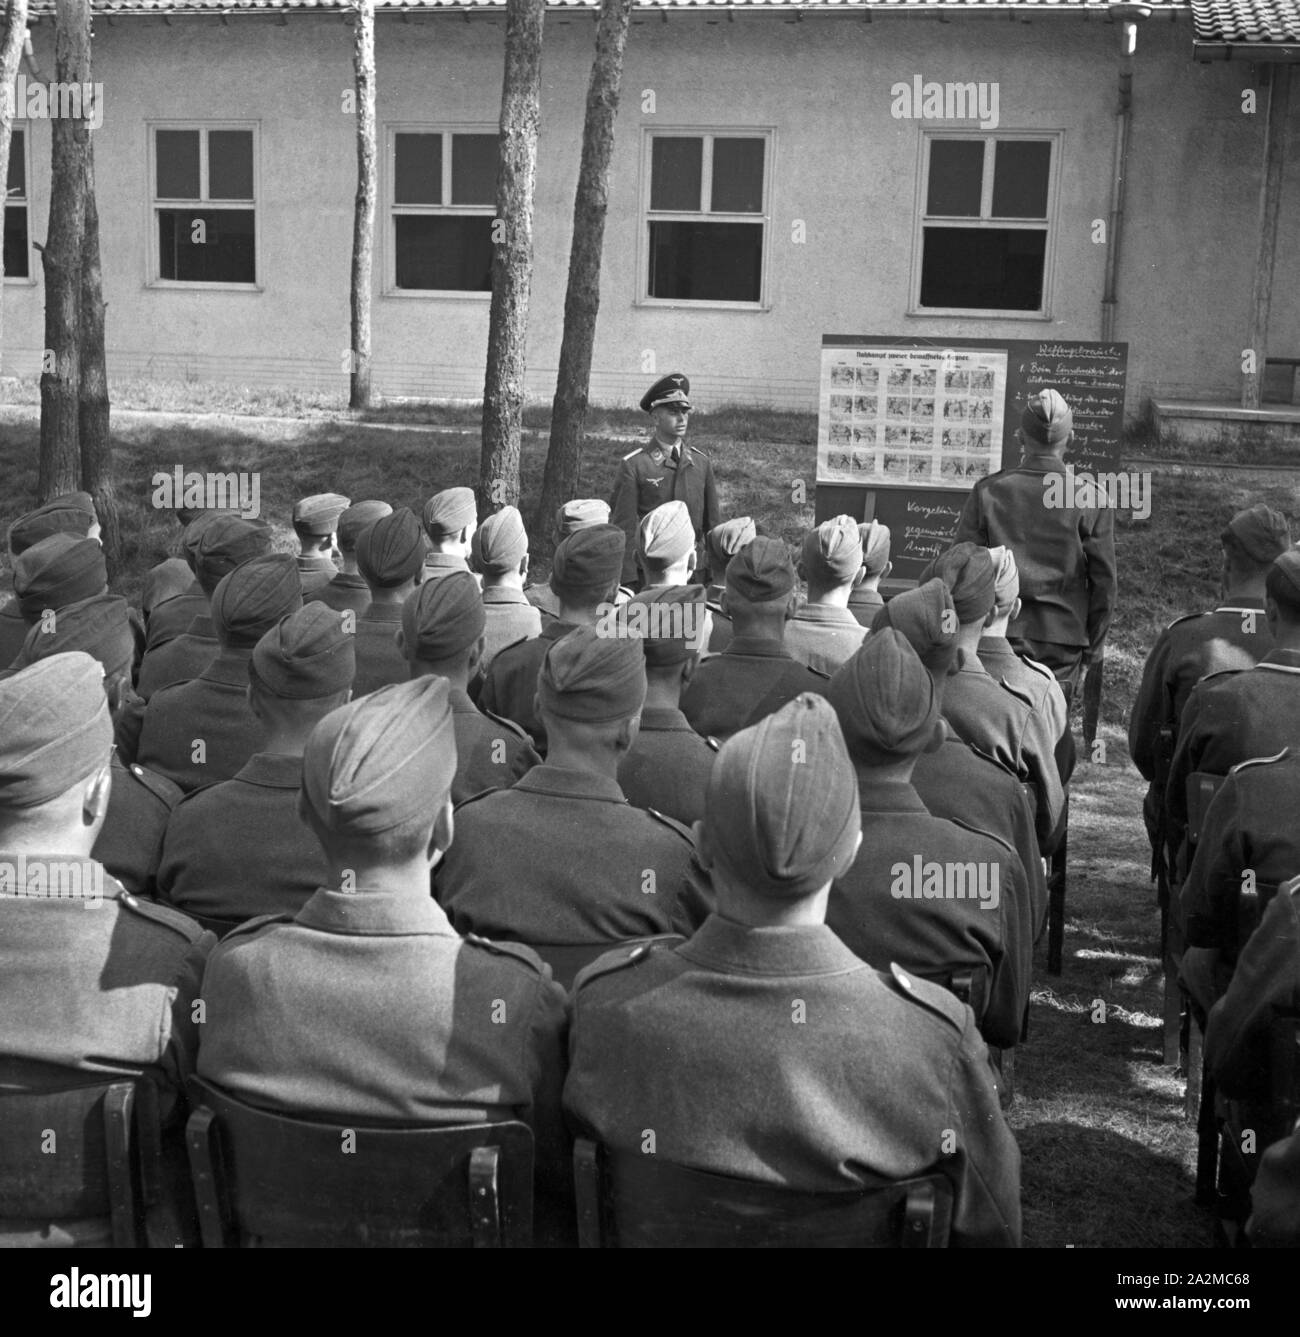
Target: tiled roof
x,y
254,6
1261,22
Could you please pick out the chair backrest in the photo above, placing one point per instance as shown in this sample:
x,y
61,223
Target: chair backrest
x,y
272,1181
81,1159
1201,789
629,1200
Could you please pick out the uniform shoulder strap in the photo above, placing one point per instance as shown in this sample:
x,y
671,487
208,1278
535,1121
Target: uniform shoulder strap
x,y
506,724
980,831
257,922
630,453
159,786
474,798
673,825
933,997
162,914
623,955
1259,761
516,950
1186,617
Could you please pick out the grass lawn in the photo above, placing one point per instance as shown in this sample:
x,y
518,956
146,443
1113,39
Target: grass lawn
x,y
1107,1159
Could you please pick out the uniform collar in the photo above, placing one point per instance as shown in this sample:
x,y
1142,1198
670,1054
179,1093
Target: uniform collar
x,y
564,782
315,562
504,594
996,647
460,703
876,795
757,646
553,630
1281,661
970,663
827,615
375,913
1042,463
350,580
1241,604
737,949
445,561
381,613
272,770
230,667
20,881
664,719
201,626
864,598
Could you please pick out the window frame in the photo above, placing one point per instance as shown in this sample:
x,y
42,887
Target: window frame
x,y
153,266
645,215
386,242
25,201
1046,224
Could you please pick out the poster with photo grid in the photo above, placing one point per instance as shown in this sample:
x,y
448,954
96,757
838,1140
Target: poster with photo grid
x,y
910,417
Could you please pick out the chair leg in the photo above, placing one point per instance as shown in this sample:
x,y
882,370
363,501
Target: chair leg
x,y
587,1190
484,1199
1207,1145
119,1139
200,1139
1171,1017
1056,902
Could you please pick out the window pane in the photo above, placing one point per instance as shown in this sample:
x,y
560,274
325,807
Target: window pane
x,y
17,184
956,178
474,169
676,165
706,262
448,253
999,269
222,252
177,152
737,176
1020,178
417,170
16,242
230,164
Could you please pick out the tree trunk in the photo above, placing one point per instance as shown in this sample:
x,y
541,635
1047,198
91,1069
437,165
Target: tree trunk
x,y
92,393
512,256
561,481
363,223
11,50
60,460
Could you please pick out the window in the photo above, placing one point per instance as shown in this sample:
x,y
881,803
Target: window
x,y
706,217
444,188
984,223
204,204
17,252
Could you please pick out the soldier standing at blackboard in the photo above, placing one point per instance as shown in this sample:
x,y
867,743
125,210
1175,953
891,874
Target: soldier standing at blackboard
x,y
1065,554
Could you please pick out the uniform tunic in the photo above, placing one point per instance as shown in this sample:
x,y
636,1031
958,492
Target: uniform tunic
x,y
668,766
238,849
129,843
172,617
864,604
1037,684
647,478
510,618
13,632
491,752
346,591
936,937
823,637
180,659
696,1042
750,679
315,571
511,683
379,661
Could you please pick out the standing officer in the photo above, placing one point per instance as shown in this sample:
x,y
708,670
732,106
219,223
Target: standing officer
x,y
694,1039
347,589
390,557
666,469
1066,554
315,520
236,849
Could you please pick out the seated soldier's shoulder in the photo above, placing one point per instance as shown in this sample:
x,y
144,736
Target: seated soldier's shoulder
x,y
516,955
163,918
626,956
932,998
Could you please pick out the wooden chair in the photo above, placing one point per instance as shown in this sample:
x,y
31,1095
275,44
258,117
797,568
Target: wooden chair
x,y
1056,878
267,1180
627,1200
78,1165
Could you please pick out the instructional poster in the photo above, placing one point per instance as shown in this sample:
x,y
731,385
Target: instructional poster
x,y
910,417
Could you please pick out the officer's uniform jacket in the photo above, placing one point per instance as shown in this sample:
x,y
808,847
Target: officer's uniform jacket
x,y
214,708
667,767
648,478
774,1054
1252,825
749,680
995,717
510,685
491,752
180,659
367,1006
315,570
510,618
864,604
346,591
379,661
936,938
1265,986
129,843
1065,555
1037,684
238,848
1233,636
963,784
172,617
823,637
563,860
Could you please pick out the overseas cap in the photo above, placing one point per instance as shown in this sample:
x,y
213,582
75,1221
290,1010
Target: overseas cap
x,y
1283,581
319,514
927,620
391,551
254,597
165,581
223,542
1047,419
581,514
99,626
781,807
356,518
594,678
589,561
666,534
447,512
72,513
59,570
875,546
761,571
500,543
306,655
443,617
724,541
967,570
55,728
1006,578
378,762
885,700
1259,531
832,552
672,622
